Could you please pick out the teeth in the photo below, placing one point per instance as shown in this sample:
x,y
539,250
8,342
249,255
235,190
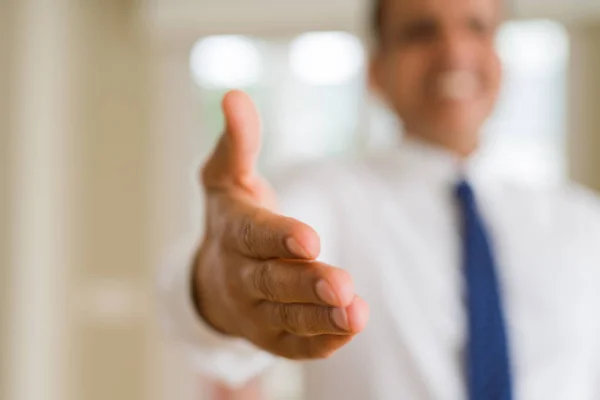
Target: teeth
x,y
456,85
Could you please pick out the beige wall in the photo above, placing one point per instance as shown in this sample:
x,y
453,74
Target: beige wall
x,y
111,342
38,234
81,322
117,346
5,65
584,104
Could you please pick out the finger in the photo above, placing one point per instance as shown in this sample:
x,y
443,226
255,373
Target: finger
x,y
259,233
305,319
288,281
308,348
313,320
235,155
358,314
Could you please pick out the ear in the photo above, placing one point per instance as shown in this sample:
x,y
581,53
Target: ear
x,y
375,77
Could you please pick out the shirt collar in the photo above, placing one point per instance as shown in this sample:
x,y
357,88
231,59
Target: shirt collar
x,y
431,162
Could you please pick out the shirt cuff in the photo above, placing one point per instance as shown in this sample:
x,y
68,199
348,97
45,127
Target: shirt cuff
x,y
232,361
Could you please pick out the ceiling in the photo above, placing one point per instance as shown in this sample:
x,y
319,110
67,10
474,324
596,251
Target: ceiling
x,y
199,17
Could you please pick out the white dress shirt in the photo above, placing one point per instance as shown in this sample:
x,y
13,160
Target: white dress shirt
x,y
392,221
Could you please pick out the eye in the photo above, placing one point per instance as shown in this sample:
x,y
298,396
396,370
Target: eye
x,y
479,27
418,31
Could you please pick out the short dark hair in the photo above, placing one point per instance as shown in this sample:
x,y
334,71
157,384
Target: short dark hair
x,y
377,15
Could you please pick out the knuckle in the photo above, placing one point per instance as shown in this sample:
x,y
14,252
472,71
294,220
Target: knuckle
x,y
315,320
263,281
247,234
289,318
304,320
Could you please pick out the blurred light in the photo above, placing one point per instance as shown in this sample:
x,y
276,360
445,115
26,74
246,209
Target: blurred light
x,y
326,58
226,62
533,47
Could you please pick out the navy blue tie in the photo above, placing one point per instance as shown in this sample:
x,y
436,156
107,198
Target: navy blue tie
x,y
488,364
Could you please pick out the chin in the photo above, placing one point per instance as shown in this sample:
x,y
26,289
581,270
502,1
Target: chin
x,y
460,118
455,125
457,133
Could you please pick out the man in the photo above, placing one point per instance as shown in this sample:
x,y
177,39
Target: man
x,y
469,288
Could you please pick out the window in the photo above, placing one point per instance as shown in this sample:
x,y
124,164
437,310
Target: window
x,y
526,136
309,90
311,93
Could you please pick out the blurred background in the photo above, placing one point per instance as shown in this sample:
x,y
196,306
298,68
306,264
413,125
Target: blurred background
x,y
108,107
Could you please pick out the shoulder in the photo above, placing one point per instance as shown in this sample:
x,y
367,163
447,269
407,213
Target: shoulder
x,y
326,193
330,178
571,206
570,197
316,193
316,175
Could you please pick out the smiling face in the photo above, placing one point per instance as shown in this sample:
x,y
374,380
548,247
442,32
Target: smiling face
x,y
437,67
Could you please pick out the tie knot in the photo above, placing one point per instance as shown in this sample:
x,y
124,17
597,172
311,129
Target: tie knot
x,y
464,192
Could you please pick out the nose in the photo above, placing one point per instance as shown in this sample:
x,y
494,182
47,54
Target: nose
x,y
456,50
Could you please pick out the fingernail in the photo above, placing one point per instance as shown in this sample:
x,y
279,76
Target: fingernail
x,y
325,293
294,247
340,317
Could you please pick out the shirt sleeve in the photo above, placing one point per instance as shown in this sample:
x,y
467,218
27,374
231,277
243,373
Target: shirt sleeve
x,y
231,361
585,209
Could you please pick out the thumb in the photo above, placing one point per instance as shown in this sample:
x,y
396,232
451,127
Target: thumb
x,y
242,125
237,151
